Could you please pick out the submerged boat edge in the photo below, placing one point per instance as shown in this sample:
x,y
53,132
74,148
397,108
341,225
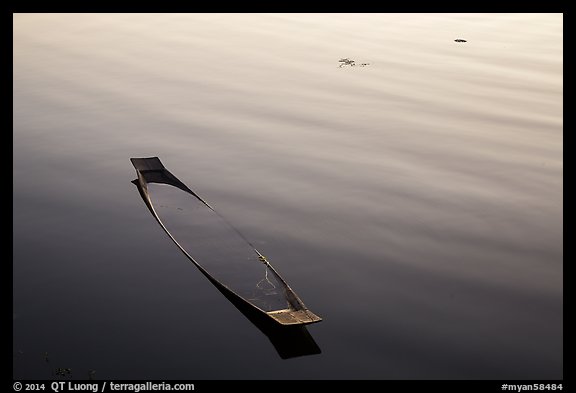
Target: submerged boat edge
x,y
299,315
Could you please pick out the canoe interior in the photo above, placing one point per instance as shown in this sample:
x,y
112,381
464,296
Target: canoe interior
x,y
215,247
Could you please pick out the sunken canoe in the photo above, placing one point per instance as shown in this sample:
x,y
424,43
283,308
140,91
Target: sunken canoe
x,y
219,250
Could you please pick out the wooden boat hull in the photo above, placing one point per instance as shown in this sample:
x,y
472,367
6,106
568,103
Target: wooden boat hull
x,y
216,248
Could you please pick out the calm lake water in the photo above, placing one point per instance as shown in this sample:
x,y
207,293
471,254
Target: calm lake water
x,y
414,203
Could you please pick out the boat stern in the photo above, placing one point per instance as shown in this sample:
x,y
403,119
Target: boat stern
x,y
294,317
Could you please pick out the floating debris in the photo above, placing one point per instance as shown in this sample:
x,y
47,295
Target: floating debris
x,y
63,372
460,40
348,62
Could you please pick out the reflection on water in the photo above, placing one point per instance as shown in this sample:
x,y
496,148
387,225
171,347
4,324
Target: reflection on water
x,y
415,203
289,341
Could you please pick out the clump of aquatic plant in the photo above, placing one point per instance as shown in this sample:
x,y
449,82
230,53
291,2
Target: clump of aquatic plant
x,y
348,62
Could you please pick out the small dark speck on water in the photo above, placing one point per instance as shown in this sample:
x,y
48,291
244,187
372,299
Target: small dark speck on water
x,y
460,40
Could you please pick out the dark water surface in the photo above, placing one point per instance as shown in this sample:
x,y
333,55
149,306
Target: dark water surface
x,y
414,203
